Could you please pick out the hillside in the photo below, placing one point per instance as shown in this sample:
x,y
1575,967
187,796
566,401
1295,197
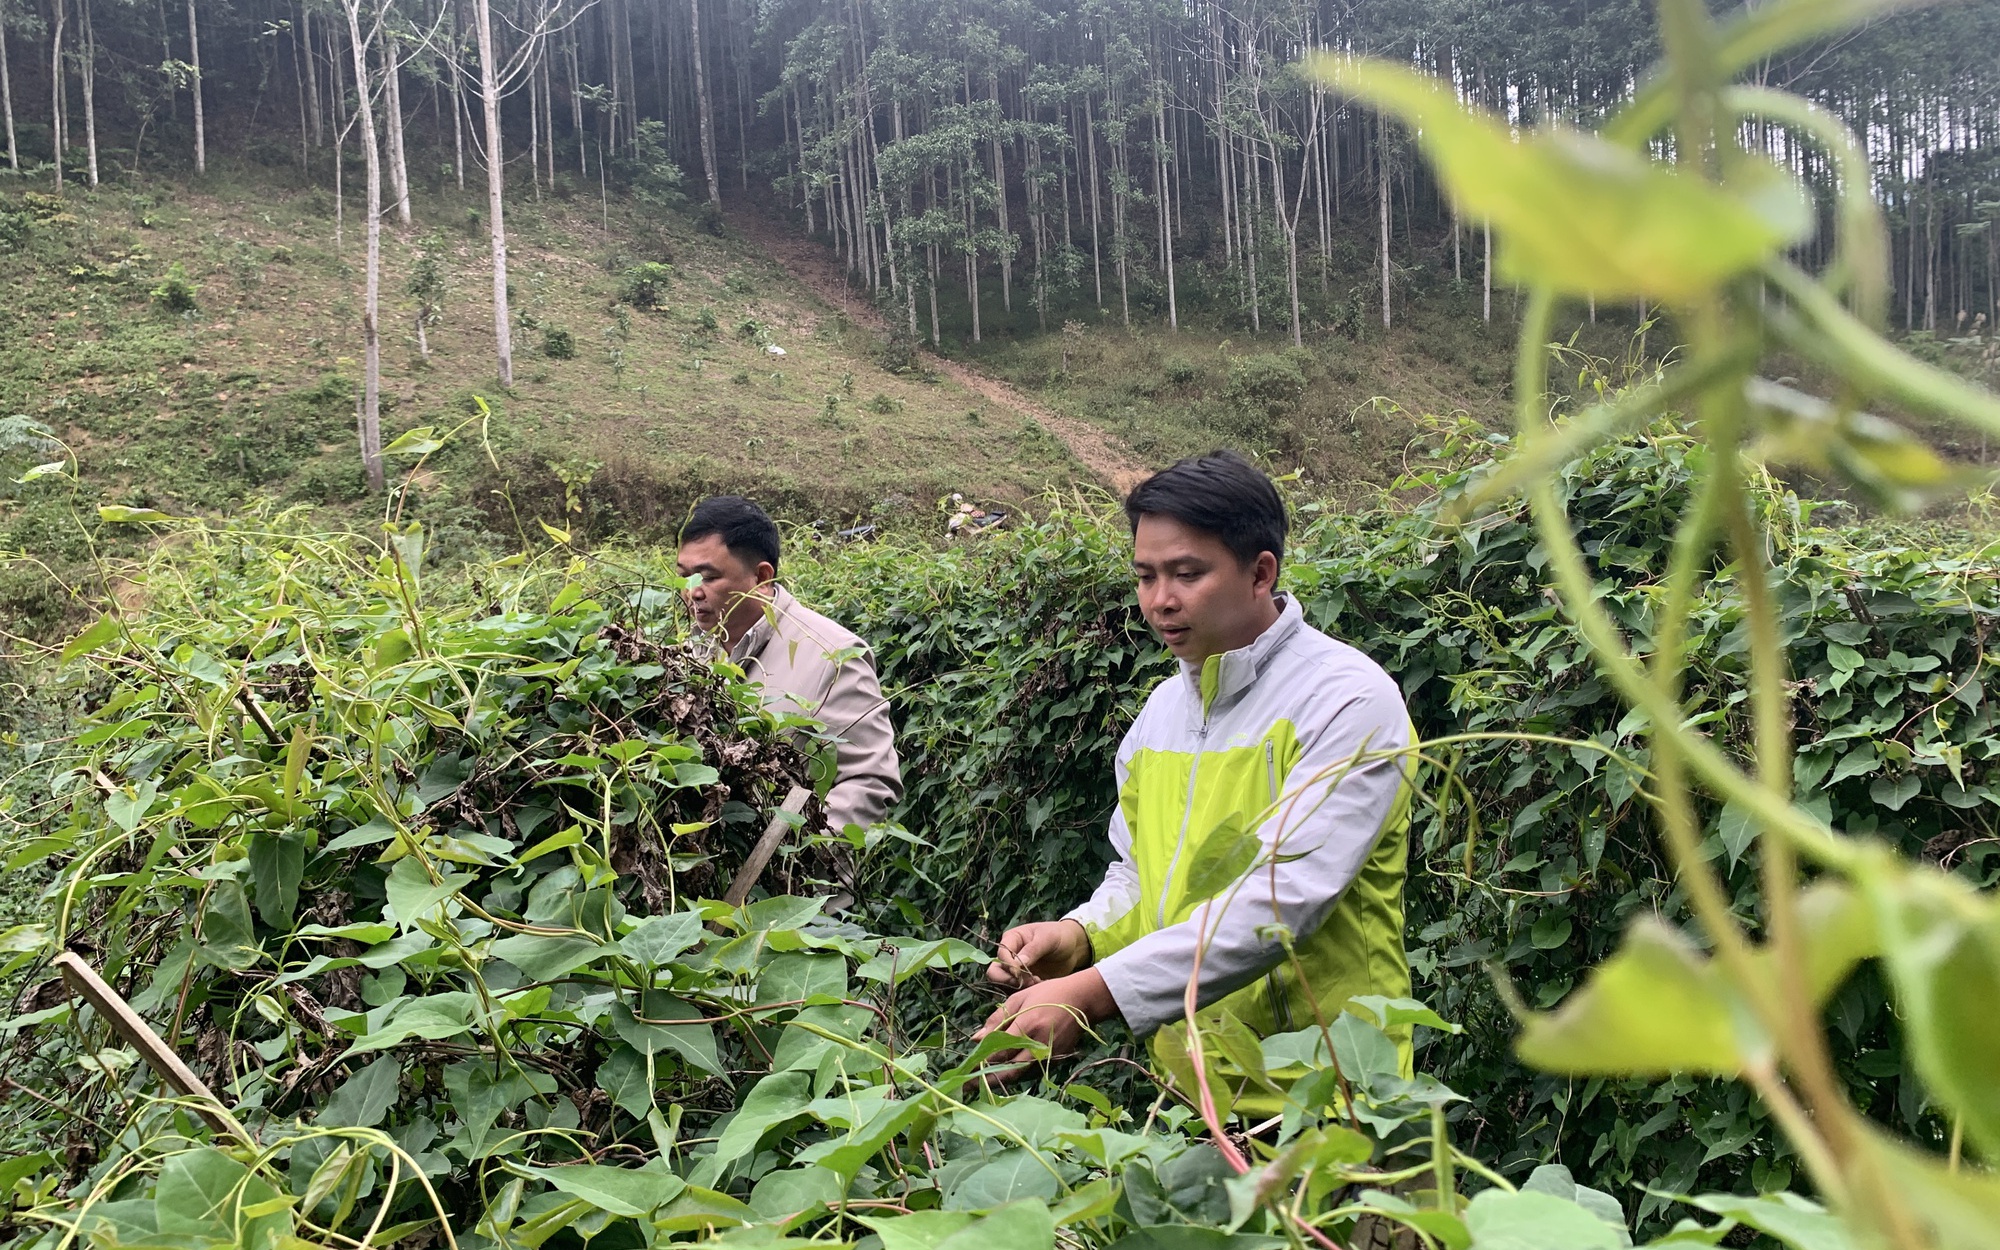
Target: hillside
x,y
619,415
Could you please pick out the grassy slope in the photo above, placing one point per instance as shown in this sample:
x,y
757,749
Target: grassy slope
x,y
253,392
1346,408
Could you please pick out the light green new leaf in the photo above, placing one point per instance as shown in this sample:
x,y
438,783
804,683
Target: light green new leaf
x,y
433,1018
120,513
54,468
1556,1180
789,1192
1528,1220
1010,1176
1798,1223
1576,212
658,939
1941,947
1960,1209
421,441
705,1209
204,1193
1655,1007
1035,1120
621,1191
414,895
20,1166
1837,931
1019,1226
1895,469
1390,1012
91,639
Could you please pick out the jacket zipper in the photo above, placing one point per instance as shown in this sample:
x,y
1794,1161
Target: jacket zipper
x,y
1281,1006
1187,814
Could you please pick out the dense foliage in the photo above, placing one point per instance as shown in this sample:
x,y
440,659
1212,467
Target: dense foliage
x,y
293,765
1012,662
420,883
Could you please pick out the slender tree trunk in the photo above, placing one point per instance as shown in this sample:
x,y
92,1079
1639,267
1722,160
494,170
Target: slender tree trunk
x,y
56,136
7,101
1382,186
496,185
1930,261
576,108
1161,152
1096,208
371,338
89,74
534,134
305,122
309,62
334,90
1000,198
702,107
1249,221
457,115
548,118
1486,280
392,103
194,61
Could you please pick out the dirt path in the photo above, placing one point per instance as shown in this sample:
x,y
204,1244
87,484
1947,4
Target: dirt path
x,y
820,271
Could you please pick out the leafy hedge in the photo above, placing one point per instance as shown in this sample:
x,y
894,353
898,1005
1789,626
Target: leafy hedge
x,y
419,879
1016,662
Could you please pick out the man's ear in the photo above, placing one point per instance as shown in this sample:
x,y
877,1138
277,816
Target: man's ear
x,y
766,571
1264,574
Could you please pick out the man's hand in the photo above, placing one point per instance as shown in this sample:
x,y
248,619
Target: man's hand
x,y
1051,1012
1029,954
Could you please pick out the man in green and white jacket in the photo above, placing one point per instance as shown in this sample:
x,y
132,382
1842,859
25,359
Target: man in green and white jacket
x,y
1271,729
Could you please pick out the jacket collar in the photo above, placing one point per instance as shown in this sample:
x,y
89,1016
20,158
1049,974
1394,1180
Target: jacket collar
x,y
752,643
1220,678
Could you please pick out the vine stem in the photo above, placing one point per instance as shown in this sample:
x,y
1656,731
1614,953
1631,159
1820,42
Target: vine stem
x,y
1675,746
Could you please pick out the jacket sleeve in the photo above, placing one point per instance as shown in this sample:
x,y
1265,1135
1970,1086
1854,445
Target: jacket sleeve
x,y
868,778
1328,818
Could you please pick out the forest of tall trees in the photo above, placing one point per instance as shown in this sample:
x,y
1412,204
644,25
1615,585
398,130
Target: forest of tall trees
x,y
1150,160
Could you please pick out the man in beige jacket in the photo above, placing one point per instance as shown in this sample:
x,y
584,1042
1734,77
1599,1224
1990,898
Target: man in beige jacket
x,y
805,663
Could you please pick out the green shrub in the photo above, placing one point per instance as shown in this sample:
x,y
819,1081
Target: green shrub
x,y
1268,383
1181,372
16,224
175,293
558,343
645,285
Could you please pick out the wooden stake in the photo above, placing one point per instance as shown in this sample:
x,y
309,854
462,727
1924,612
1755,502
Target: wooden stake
x,y
767,846
140,1036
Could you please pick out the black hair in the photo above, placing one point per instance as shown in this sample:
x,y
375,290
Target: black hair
x,y
746,529
1221,494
